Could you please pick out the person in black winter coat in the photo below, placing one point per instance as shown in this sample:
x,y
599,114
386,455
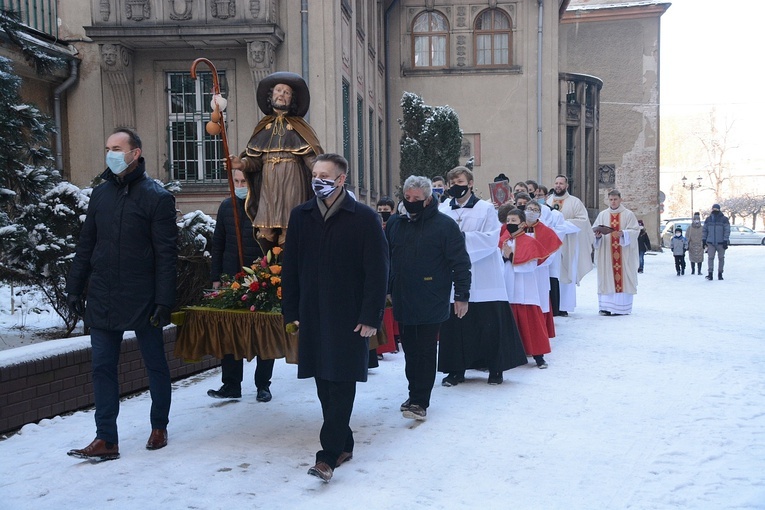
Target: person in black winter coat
x,y
644,245
716,236
334,281
428,257
225,260
126,258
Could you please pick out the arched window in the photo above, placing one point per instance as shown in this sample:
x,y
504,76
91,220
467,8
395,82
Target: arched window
x,y
430,36
493,38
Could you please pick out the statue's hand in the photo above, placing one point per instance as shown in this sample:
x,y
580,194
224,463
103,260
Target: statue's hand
x,y
236,162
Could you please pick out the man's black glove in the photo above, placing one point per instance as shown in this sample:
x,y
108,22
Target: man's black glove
x,y
160,317
75,304
725,245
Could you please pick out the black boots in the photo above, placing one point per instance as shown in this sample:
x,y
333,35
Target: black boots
x,y
719,276
709,276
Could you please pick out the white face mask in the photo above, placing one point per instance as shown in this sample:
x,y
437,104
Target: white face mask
x,y
241,192
532,216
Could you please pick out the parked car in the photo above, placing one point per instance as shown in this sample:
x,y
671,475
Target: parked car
x,y
740,234
669,230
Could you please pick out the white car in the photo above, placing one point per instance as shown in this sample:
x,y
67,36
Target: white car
x,y
740,234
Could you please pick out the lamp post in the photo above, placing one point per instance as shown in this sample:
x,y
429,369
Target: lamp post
x,y
692,186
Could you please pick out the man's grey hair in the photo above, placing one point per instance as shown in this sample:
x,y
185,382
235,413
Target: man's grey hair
x,y
615,193
419,182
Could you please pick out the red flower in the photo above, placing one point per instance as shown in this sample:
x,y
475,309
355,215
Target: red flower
x,y
239,275
254,286
244,297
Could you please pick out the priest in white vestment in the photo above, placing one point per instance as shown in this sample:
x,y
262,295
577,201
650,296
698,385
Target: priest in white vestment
x,y
616,231
576,252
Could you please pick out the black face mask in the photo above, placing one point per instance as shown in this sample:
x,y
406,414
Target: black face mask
x,y
385,215
415,207
457,191
513,227
522,207
715,211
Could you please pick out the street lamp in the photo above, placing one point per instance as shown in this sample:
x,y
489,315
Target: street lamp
x,y
691,187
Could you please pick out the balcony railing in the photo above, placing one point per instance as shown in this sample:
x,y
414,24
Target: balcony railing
x,y
41,15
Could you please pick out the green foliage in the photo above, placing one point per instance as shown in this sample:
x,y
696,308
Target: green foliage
x,y
430,140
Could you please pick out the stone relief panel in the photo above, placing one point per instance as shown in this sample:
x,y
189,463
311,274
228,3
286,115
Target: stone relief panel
x,y
606,176
222,9
260,57
180,10
461,50
345,34
264,10
461,21
116,66
137,10
105,10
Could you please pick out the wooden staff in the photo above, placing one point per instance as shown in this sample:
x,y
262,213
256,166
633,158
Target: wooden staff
x,y
215,127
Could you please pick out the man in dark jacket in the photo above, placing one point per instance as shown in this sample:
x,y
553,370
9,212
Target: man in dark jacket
x,y
334,280
428,255
716,236
225,260
126,257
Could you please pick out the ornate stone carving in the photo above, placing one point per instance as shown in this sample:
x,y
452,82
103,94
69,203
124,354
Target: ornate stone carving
x,y
462,16
105,9
223,9
116,66
606,175
137,10
255,8
461,50
185,15
260,57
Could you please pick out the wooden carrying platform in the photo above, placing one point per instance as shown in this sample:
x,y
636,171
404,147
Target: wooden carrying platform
x,y
211,331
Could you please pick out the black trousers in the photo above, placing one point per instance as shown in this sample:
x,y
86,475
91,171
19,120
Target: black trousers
x,y
336,435
555,296
680,262
420,343
232,371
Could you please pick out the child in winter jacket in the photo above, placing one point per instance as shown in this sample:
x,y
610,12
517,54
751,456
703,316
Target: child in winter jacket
x,y
679,245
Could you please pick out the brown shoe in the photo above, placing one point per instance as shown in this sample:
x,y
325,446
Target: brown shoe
x,y
343,457
97,451
321,470
157,439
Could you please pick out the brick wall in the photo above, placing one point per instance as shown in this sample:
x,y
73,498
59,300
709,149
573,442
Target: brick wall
x,y
44,388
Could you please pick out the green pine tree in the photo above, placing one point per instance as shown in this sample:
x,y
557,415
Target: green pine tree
x,y
430,140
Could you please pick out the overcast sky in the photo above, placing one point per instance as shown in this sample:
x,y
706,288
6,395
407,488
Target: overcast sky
x,y
710,52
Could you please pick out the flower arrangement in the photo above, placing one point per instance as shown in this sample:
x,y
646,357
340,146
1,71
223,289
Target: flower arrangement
x,y
257,287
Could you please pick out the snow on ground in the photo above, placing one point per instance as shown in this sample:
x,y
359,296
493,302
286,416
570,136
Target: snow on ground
x,y
662,409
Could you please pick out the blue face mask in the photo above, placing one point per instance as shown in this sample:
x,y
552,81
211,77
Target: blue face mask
x,y
115,160
241,192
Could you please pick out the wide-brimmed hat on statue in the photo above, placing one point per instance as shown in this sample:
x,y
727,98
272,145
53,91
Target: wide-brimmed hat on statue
x,y
300,93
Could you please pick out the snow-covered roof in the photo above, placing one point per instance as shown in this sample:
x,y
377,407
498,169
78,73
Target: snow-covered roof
x,y
581,5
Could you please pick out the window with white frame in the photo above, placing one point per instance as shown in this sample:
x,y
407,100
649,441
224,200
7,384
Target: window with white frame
x,y
194,155
430,32
493,38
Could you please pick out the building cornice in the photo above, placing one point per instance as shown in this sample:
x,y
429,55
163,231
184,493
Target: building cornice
x,y
614,12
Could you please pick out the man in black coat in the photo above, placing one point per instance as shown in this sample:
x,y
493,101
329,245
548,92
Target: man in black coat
x,y
427,257
334,280
225,260
126,257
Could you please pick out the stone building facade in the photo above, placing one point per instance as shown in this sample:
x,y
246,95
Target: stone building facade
x,y
541,87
